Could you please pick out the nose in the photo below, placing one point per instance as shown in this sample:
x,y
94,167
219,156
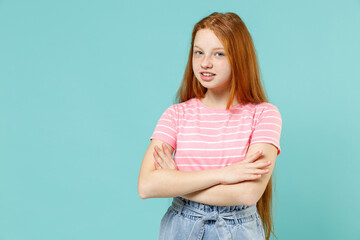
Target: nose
x,y
206,62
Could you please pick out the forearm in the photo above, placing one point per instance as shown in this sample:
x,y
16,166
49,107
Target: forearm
x,y
246,192
200,186
224,195
171,183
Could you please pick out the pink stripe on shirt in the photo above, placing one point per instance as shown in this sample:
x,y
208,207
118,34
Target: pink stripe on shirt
x,y
207,138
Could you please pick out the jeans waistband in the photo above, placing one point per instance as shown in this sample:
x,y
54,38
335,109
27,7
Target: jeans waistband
x,y
199,209
206,212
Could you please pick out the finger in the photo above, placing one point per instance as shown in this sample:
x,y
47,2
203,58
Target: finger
x,y
172,164
165,161
162,155
262,164
254,156
251,177
157,166
155,156
166,150
257,165
170,159
258,171
158,158
169,149
254,176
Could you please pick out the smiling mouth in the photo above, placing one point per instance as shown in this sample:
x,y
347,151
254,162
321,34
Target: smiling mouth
x,y
207,74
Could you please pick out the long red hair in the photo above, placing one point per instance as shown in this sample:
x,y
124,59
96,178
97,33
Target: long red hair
x,y
245,82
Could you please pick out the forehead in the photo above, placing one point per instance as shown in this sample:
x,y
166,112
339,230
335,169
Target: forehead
x,y
206,38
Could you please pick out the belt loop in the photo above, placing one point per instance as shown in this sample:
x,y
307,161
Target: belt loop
x,y
235,219
181,207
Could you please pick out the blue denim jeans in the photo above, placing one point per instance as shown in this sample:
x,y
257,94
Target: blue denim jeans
x,y
189,220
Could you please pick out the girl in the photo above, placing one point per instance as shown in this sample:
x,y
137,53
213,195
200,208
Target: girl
x,y
226,137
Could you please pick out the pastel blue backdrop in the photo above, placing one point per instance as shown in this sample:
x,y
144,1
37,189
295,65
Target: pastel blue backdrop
x,y
83,84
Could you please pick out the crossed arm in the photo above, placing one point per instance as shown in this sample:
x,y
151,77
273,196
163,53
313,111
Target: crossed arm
x,y
203,186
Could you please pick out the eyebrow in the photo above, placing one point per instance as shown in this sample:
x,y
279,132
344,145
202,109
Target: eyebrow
x,y
214,48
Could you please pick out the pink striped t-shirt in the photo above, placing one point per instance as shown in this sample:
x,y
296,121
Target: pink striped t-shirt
x,y
208,138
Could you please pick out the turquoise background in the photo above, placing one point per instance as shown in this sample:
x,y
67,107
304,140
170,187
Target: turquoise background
x,y
83,84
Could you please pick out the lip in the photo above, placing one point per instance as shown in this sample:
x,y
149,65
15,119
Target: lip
x,y
207,78
207,72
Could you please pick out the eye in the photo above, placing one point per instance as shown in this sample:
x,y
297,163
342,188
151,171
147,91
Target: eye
x,y
197,52
221,54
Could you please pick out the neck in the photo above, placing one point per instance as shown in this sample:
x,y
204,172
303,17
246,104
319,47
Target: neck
x,y
217,100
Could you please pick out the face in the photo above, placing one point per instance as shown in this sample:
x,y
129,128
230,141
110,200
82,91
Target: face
x,y
209,57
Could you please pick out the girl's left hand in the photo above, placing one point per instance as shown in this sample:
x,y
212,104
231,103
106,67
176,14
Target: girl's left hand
x,y
163,158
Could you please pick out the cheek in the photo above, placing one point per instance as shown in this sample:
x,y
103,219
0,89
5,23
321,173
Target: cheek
x,y
194,62
229,71
226,68
195,66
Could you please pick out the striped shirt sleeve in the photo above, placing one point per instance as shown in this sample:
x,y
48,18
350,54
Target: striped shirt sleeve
x,y
268,127
165,129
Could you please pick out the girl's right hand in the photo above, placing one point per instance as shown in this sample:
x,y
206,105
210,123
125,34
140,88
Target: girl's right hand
x,y
245,170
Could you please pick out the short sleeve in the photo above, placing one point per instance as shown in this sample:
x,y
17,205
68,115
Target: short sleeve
x,y
268,127
165,129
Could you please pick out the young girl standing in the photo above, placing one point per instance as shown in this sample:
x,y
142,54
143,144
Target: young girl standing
x,y
226,137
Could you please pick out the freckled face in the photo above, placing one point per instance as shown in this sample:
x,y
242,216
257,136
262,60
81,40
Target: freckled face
x,y
210,64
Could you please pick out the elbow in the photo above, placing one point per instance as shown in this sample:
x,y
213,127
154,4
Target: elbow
x,y
147,186
141,193
143,190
